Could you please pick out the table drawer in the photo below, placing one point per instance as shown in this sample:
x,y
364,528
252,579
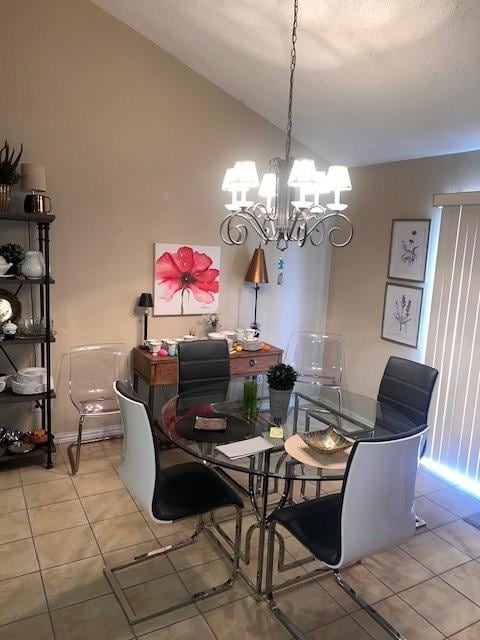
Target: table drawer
x,y
254,363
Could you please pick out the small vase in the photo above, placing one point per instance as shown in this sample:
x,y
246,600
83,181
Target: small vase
x,y
5,197
279,401
33,265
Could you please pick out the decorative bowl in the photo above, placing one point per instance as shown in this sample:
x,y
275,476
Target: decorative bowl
x,y
326,441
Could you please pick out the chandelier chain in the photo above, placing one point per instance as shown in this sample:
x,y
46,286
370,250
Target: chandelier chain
x,y
293,62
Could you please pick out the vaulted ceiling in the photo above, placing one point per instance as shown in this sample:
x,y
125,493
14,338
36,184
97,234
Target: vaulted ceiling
x,y
377,80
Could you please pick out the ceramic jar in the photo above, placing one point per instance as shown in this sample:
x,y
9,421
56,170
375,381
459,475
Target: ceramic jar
x,y
33,265
9,330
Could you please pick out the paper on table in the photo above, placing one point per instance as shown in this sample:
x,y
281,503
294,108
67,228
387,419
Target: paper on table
x,y
244,448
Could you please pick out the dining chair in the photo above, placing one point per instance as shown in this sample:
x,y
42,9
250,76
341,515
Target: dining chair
x,y
202,363
317,357
167,495
373,511
93,369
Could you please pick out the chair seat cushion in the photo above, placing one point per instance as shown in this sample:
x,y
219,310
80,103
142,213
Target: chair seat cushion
x,y
190,489
316,524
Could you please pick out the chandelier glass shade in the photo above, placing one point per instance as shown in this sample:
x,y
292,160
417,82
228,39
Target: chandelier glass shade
x,y
300,202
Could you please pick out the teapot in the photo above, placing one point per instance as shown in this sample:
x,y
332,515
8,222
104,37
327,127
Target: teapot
x,y
4,266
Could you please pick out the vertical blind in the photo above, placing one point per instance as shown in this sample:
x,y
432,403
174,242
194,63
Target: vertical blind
x,y
453,344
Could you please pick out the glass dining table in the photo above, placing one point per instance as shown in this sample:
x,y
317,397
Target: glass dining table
x,y
270,474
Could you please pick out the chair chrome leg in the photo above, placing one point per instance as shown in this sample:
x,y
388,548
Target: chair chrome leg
x,y
373,613
274,608
132,616
419,522
75,461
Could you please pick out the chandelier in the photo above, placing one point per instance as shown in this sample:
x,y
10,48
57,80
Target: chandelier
x,y
292,190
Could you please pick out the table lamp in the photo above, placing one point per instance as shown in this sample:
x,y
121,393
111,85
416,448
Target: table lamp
x,y
257,273
145,302
33,179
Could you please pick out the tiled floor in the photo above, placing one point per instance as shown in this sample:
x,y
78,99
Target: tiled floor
x,y
56,534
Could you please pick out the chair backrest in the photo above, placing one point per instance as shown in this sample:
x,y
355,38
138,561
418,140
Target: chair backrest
x,y
139,465
377,495
408,386
94,368
317,357
202,363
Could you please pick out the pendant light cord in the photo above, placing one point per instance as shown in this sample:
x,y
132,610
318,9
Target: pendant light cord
x,y
293,61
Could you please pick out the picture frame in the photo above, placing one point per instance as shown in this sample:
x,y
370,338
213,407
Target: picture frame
x,y
186,279
409,241
402,309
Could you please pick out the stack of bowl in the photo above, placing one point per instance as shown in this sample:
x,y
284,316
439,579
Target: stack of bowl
x,y
30,381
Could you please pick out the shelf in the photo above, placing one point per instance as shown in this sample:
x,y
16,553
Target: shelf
x,y
39,452
22,281
39,218
26,340
8,397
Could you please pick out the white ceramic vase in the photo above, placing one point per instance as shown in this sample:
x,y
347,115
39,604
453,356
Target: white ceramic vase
x,y
33,265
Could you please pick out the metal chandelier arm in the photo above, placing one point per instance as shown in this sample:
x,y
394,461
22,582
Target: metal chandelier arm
x,y
319,226
234,229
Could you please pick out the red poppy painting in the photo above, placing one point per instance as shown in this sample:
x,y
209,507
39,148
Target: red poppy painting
x,y
186,279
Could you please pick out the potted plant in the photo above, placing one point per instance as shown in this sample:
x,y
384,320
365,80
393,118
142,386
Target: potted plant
x,y
14,254
8,173
281,380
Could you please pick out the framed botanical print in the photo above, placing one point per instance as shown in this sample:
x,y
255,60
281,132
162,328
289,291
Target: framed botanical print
x,y
402,308
186,279
408,250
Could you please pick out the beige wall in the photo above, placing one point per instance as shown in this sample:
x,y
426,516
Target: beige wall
x,y
135,145
358,274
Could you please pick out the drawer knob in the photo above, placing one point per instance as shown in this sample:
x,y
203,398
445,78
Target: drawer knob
x,y
252,362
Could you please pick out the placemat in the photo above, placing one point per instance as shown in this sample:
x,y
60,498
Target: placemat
x,y
237,429
299,450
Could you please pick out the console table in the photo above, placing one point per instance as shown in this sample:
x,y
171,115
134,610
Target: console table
x,y
159,371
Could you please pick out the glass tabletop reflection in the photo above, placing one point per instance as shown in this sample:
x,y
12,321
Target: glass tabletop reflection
x,y
312,407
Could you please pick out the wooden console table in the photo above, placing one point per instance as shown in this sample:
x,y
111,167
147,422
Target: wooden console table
x,y
158,371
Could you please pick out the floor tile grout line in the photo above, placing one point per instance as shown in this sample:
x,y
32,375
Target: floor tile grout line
x,y
40,573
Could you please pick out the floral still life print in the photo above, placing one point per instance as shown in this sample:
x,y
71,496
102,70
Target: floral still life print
x,y
408,250
401,314
186,279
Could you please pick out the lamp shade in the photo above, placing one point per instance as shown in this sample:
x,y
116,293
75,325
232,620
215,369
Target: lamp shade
x,y
145,300
302,173
246,174
268,186
257,271
33,177
338,178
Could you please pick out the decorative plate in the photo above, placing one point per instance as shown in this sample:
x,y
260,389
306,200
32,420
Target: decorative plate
x,y
326,441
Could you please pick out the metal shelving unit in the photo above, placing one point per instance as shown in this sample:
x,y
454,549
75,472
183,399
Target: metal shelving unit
x,y
41,400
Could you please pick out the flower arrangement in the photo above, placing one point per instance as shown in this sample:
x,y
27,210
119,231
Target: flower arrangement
x,y
281,377
9,163
213,321
13,253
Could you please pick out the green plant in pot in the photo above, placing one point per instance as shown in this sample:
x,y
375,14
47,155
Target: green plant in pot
x,y
13,254
8,173
281,380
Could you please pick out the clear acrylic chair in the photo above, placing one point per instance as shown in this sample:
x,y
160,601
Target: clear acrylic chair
x,y
318,358
93,370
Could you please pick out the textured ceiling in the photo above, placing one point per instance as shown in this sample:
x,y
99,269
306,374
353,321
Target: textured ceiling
x,y
377,80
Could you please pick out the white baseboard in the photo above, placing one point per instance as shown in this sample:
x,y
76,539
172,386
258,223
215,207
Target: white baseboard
x,y
98,432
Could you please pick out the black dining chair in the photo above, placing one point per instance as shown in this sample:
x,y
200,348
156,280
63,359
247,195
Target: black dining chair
x,y
373,511
202,363
166,494
407,386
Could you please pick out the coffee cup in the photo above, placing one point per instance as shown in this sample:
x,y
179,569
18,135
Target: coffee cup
x,y
37,203
250,334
